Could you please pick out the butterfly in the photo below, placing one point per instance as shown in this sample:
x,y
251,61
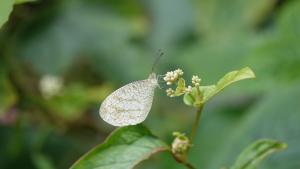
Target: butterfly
x,y
130,104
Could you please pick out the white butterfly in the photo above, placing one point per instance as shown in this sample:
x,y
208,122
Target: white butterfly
x,y
130,104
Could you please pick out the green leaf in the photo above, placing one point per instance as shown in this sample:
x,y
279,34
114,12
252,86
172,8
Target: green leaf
x,y
6,7
189,99
180,89
124,148
256,152
231,77
23,1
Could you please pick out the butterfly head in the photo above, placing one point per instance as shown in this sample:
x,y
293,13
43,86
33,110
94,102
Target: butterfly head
x,y
153,79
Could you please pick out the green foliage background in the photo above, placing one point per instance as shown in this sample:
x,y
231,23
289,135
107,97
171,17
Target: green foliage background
x,y
98,45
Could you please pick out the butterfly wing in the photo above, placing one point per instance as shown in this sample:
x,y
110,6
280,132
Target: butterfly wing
x,y
129,105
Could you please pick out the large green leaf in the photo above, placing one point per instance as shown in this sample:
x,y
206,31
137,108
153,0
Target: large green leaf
x,y
229,78
6,7
23,1
256,152
124,148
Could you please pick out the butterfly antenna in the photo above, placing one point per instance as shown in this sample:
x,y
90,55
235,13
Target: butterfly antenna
x,y
160,53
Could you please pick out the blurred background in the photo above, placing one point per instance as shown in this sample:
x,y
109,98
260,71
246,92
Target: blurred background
x,y
59,59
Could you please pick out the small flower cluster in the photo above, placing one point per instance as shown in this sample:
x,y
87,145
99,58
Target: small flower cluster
x,y
180,144
170,92
188,89
173,76
196,80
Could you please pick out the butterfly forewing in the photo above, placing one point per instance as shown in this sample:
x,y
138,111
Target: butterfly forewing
x,y
129,104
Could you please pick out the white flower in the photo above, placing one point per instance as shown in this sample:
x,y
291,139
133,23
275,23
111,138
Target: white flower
x,y
179,72
188,89
173,76
169,76
196,80
50,85
170,92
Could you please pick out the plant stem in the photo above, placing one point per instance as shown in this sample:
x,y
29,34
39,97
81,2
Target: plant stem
x,y
193,134
196,123
182,158
185,163
188,165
